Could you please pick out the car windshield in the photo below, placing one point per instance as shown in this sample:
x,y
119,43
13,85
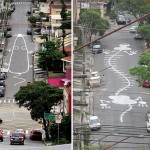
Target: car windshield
x,y
16,135
94,121
19,130
134,27
96,46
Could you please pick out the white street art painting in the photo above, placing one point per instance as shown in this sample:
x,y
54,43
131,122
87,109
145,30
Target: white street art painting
x,y
24,59
118,98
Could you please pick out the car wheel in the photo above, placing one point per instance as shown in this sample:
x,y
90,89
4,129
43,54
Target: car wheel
x,y
2,140
23,143
11,143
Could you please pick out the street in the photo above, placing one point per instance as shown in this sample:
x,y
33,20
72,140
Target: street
x,y
18,60
119,102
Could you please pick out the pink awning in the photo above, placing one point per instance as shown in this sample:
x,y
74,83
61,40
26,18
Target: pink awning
x,y
57,82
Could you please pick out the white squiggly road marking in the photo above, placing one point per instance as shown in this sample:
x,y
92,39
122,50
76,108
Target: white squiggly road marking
x,y
16,48
122,99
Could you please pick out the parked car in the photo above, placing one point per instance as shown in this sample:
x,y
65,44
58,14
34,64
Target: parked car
x,y
1,135
8,34
2,83
36,135
16,138
94,123
121,20
2,77
128,20
138,36
21,131
133,29
146,84
8,28
28,12
97,49
148,116
148,126
2,92
29,31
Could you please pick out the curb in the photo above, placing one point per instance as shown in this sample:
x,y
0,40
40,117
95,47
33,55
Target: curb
x,y
50,144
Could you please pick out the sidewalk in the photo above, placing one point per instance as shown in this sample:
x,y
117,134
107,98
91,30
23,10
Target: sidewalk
x,y
58,147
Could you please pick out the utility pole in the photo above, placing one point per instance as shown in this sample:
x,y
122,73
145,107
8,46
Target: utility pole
x,y
50,29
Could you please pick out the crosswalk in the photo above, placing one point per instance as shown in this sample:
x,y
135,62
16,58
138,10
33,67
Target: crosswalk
x,y
21,3
7,101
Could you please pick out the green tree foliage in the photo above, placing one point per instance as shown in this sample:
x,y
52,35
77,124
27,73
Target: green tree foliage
x,y
41,14
135,7
93,22
144,30
64,128
32,20
142,72
38,97
65,24
96,147
49,58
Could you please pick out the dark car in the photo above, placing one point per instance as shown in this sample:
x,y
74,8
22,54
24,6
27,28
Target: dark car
x,y
121,20
36,135
1,121
138,36
8,35
16,138
28,12
1,135
2,92
29,31
97,48
8,28
2,83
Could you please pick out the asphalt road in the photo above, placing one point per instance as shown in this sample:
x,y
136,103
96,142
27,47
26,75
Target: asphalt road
x,y
120,104
18,61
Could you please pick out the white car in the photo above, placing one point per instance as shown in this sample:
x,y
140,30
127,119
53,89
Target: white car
x,y
94,123
133,29
148,125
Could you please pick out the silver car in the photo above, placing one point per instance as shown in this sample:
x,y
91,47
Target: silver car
x,y
97,49
16,138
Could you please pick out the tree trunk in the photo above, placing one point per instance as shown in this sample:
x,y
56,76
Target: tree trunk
x,y
46,129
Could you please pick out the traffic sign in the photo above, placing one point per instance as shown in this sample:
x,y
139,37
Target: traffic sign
x,y
58,118
48,116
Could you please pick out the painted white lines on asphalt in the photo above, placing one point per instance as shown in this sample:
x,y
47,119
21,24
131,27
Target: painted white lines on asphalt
x,y
21,3
7,101
24,48
121,99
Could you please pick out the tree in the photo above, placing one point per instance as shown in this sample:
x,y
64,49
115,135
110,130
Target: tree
x,y
32,20
65,24
39,97
92,22
144,30
135,7
49,58
64,128
142,72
